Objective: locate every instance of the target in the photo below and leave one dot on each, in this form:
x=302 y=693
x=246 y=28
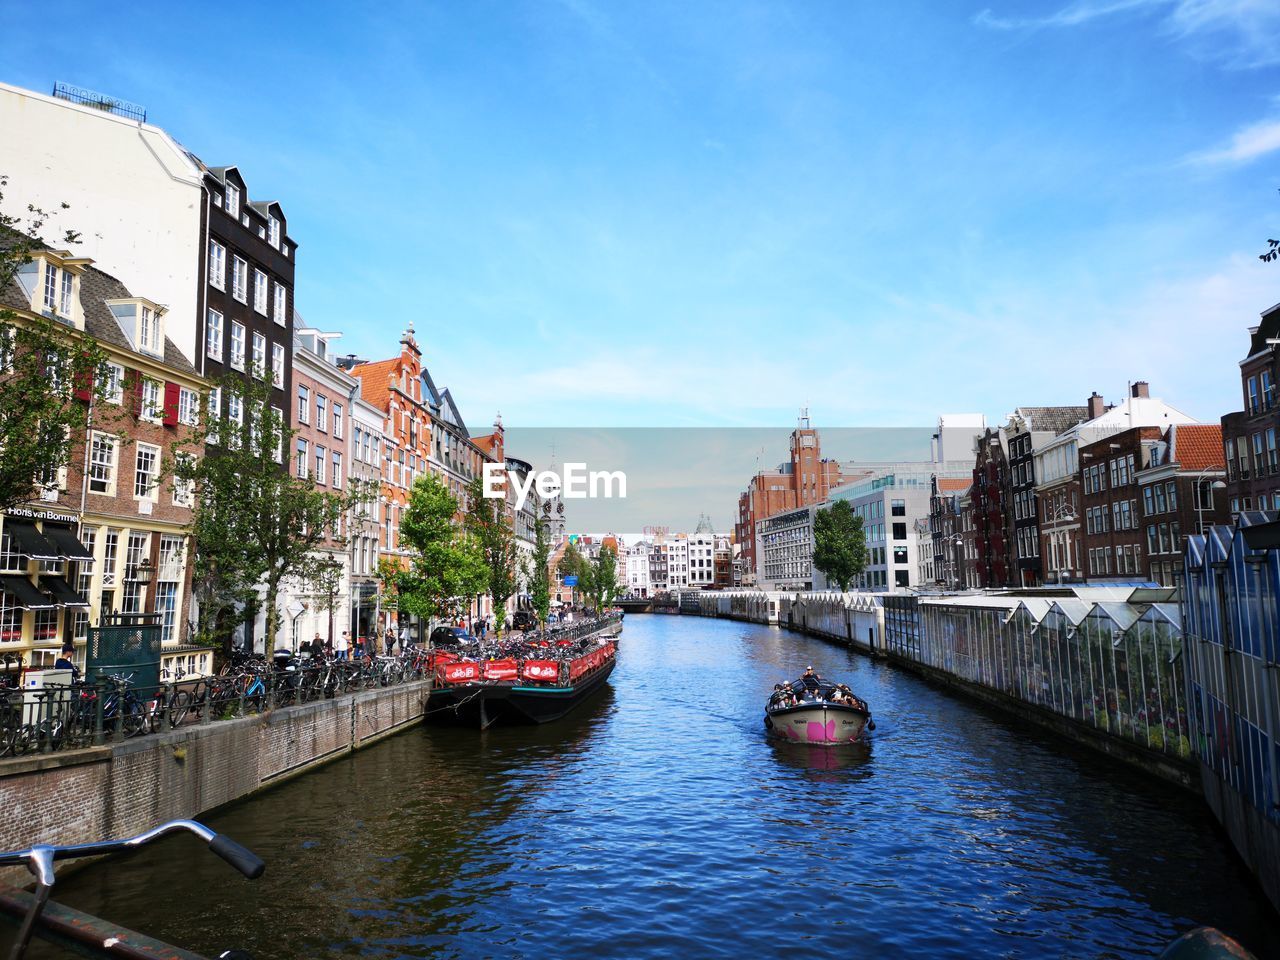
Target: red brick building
x=992 y=512
x=806 y=478
x=107 y=533
x=1249 y=435
x=1111 y=497
x=1178 y=496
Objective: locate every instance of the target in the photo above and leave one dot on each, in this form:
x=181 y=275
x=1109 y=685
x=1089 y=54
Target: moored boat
x=535 y=682
x=814 y=710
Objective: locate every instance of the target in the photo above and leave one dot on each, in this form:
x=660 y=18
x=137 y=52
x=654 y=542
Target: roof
x=96 y=287
x=1054 y=419
x=375 y=381
x=954 y=484
x=1197 y=446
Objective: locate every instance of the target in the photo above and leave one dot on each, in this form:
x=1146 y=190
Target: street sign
x=571 y=581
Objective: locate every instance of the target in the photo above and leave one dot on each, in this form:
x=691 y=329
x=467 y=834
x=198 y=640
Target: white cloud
x=1248 y=143
x=1237 y=33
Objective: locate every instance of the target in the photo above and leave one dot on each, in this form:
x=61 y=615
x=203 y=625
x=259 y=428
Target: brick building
x=1027 y=430
x=992 y=514
x=945 y=494
x=1249 y=435
x=1176 y=490
x=394 y=386
x=806 y=478
x=107 y=533
x=1111 y=499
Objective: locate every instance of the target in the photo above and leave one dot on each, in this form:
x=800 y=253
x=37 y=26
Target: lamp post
x=1200 y=487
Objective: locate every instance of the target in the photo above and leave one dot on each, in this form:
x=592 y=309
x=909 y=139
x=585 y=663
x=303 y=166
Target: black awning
x=30 y=542
x=66 y=543
x=29 y=598
x=61 y=591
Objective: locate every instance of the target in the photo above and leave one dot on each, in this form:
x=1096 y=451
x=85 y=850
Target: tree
x=601 y=583
x=839 y=544
x=572 y=564
x=446 y=566
x=254 y=524
x=489 y=526
x=540 y=574
x=50 y=374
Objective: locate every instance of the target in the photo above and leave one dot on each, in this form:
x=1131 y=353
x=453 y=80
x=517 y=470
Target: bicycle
x=40 y=859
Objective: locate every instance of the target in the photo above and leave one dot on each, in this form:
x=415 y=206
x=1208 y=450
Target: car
x=450 y=637
x=524 y=620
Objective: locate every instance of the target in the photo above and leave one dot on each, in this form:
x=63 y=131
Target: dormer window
x=140 y=321
x=273 y=232
x=49 y=283
x=233 y=200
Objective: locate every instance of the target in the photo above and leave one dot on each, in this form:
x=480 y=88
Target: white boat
x=813 y=710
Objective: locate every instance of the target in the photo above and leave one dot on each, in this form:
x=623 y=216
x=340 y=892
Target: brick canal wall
x=124 y=788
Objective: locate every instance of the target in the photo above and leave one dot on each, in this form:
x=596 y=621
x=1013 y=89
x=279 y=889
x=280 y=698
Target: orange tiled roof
x=954 y=484
x=375 y=381
x=485 y=443
x=1198 y=446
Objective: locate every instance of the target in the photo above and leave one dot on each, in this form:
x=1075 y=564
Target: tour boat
x=541 y=686
x=813 y=710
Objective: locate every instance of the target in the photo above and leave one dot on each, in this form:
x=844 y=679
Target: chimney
x=1097 y=406
x=1141 y=389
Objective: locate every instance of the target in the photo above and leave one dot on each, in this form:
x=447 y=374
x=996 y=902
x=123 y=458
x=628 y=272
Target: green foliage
x=601 y=585
x=839 y=544
x=254 y=524
x=49 y=375
x=540 y=574
x=489 y=526
x=446 y=566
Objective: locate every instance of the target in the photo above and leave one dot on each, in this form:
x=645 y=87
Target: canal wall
x=122 y=789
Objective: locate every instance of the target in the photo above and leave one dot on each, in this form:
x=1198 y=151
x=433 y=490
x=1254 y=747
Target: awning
x=28 y=597
x=61 y=591
x=67 y=543
x=30 y=542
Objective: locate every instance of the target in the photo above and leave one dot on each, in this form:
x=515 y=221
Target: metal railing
x=112 y=709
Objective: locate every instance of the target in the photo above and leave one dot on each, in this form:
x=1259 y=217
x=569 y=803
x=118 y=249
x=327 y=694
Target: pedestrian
x=389 y=641
x=406 y=638
x=359 y=647
x=66 y=661
x=343 y=645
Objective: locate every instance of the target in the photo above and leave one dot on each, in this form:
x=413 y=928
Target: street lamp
x=1199 y=489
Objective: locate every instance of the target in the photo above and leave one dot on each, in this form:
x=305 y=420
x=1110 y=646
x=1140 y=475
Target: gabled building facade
x=1249 y=435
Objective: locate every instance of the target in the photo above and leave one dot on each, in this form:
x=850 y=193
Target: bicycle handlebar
x=39 y=859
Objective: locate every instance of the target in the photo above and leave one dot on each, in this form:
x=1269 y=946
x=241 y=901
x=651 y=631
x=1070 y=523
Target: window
x=259 y=356
x=147 y=472
x=102 y=464
x=112 y=384
x=1253 y=394
x=302 y=459
x=277 y=365
x=188 y=407
x=320 y=464
x=277 y=427
x=280 y=316
x=273 y=232
x=217 y=265
x=322 y=412
x=337 y=421
x=237 y=345
x=1171 y=489
x=1258 y=460
x=1268 y=390
x=899 y=531
x=215 y=403
x=1272 y=463
x=64 y=306
x=235 y=414
x=260 y=286
x=899 y=508
x=183 y=490
x=50 y=287
x=213 y=335
x=304 y=405
x=240 y=280
x=232 y=205
x=152 y=401
x=337 y=469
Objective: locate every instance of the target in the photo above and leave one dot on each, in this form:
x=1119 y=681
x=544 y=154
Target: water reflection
x=660 y=819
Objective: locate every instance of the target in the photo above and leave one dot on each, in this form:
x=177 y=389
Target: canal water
x=658 y=821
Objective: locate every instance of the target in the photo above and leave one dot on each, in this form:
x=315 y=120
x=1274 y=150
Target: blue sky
x=710 y=214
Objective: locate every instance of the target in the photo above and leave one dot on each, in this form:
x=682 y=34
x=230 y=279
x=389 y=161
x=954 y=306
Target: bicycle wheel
x=179 y=707
x=135 y=720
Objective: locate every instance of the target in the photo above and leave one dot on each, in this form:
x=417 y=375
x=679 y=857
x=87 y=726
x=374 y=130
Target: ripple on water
x=659 y=820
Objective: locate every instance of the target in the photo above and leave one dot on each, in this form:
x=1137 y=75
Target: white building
x=636 y=576
x=784 y=550
x=363 y=530
x=134 y=194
